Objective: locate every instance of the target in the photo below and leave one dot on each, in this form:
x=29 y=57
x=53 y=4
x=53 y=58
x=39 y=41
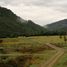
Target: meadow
x=62 y=62
x=28 y=51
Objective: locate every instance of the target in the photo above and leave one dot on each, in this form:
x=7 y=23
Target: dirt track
x=54 y=58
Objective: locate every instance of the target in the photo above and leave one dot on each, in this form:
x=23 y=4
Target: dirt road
x=54 y=58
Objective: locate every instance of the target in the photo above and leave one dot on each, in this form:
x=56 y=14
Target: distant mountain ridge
x=12 y=25
x=59 y=26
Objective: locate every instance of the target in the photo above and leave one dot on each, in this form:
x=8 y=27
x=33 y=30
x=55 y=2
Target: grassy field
x=62 y=62
x=31 y=49
x=44 y=56
x=38 y=39
x=35 y=41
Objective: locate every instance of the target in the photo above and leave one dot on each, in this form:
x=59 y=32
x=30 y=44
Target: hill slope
x=58 y=27
x=11 y=25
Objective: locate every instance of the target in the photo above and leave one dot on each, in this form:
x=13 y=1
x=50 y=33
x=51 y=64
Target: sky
x=42 y=12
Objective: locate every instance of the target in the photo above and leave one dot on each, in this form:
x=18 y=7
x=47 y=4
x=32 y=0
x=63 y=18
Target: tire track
x=54 y=58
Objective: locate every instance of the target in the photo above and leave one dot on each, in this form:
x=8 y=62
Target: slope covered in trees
x=11 y=25
x=59 y=27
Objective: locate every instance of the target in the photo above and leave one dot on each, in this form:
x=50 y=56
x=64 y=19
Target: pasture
x=30 y=50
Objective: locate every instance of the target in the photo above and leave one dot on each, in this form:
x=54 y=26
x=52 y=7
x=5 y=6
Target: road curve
x=54 y=58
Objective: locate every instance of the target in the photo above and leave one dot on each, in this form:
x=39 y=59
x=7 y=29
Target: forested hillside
x=12 y=26
x=59 y=27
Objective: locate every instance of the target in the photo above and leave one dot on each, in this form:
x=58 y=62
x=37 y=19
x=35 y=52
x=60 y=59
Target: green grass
x=34 y=43
x=48 y=39
x=62 y=61
x=45 y=55
x=39 y=39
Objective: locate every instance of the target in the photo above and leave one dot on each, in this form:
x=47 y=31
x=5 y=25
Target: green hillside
x=59 y=27
x=12 y=26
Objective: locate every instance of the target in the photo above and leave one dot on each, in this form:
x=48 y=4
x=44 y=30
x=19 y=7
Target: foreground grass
x=12 y=45
x=62 y=62
x=12 y=48
x=45 y=55
x=35 y=60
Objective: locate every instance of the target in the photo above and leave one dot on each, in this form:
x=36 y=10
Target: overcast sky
x=40 y=11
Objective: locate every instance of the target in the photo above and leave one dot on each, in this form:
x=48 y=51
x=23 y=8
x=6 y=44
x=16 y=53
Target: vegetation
x=13 y=26
x=62 y=62
x=23 y=43
x=24 y=50
x=57 y=28
x=29 y=51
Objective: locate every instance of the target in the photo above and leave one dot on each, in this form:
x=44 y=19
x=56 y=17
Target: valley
x=31 y=51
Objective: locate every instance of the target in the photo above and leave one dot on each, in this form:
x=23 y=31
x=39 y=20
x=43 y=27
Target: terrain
x=31 y=51
x=26 y=44
x=57 y=28
x=12 y=25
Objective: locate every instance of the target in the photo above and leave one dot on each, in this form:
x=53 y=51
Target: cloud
x=40 y=11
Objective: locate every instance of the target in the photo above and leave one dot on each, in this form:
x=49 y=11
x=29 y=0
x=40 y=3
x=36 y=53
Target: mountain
x=58 y=27
x=12 y=25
